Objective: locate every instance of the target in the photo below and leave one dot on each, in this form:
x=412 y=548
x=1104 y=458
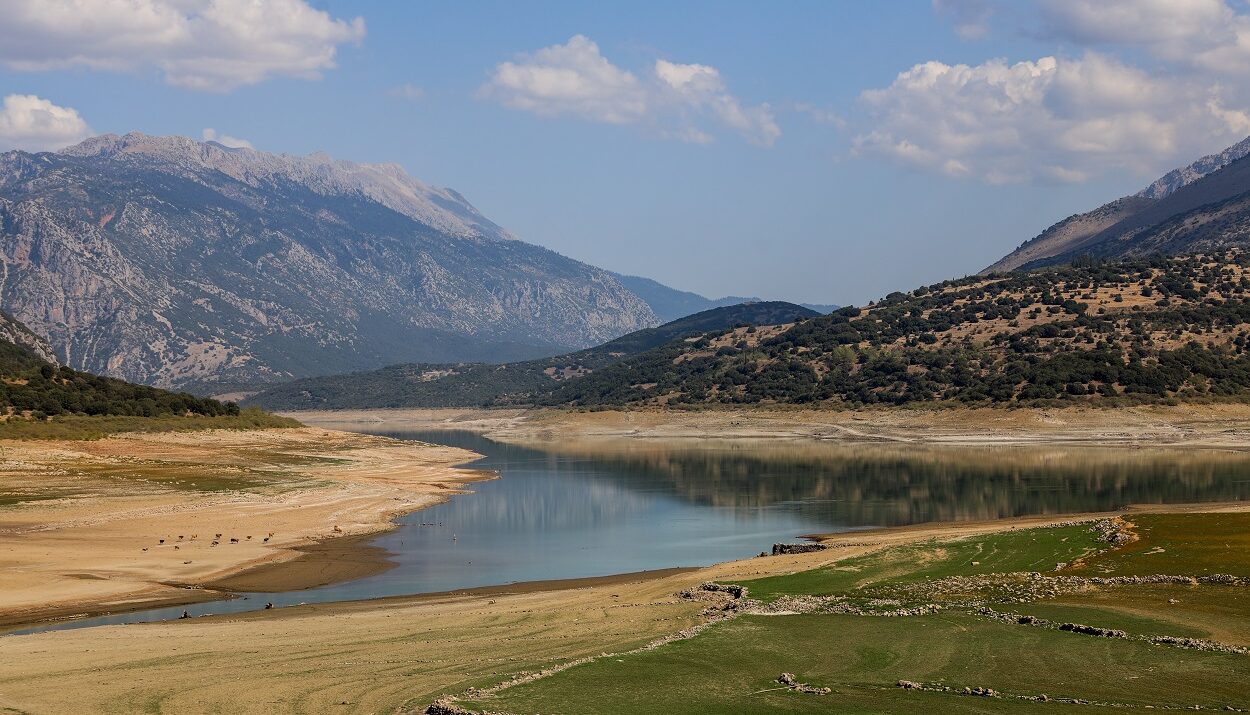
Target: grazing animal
x=194 y=537
x=180 y=537
x=145 y=548
x=249 y=537
x=177 y=547
x=268 y=606
x=271 y=533
x=162 y=541
x=218 y=536
x=234 y=541
x=214 y=543
x=185 y=614
x=266 y=539
x=337 y=530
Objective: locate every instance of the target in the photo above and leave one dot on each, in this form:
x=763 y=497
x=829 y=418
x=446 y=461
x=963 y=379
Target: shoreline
x=326 y=494
x=319 y=559
x=1225 y=426
x=394 y=654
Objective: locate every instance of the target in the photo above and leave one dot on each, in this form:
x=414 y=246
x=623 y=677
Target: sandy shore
x=1226 y=426
x=388 y=655
x=131 y=521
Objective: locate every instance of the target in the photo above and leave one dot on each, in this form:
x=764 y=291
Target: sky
x=820 y=151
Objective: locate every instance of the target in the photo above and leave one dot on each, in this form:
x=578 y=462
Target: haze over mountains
x=670 y=304
x=475 y=385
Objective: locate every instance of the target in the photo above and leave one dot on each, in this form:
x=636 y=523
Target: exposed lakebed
x=594 y=508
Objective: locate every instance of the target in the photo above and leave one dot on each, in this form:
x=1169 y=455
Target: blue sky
x=786 y=150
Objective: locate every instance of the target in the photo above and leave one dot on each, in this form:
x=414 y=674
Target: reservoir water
x=597 y=508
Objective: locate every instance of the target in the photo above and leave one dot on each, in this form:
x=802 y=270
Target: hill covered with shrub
x=40 y=398
x=1157 y=329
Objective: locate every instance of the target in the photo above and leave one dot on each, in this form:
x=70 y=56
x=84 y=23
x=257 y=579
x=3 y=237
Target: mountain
x=168 y=261
x=1105 y=230
x=472 y=385
x=670 y=304
x=1143 y=330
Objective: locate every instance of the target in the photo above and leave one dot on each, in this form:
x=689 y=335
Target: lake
x=596 y=508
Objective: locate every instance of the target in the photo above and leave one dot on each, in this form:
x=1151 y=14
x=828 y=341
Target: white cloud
x=211 y=45
x=410 y=92
x=211 y=135
x=575 y=79
x=1050 y=119
x=821 y=115
x=35 y=124
x=971 y=18
x=1138 y=22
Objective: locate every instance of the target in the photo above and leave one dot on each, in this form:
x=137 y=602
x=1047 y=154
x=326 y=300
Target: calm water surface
x=594 y=509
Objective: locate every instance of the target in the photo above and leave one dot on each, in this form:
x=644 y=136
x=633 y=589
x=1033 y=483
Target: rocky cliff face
x=169 y=261
x=11 y=331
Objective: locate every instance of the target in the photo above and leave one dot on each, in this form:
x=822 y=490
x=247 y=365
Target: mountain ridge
x=1074 y=234
x=169 y=261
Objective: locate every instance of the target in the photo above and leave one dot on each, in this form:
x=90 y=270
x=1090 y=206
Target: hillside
x=471 y=385
x=1106 y=230
x=168 y=261
x=34 y=389
x=1145 y=330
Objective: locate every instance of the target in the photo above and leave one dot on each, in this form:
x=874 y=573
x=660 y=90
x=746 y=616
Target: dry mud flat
x=112 y=524
x=1226 y=425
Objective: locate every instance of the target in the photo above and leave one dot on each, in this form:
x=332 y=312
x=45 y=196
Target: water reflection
x=890 y=485
x=592 y=508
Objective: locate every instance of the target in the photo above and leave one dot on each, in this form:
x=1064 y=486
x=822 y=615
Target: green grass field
x=732 y=667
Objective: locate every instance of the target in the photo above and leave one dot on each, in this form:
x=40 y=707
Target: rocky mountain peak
x=1167 y=184
x=388 y=184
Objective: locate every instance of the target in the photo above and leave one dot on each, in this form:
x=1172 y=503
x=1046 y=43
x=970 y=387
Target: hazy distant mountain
x=473 y=385
x=168 y=261
x=670 y=304
x=1116 y=228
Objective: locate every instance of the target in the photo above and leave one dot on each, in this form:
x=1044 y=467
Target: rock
x=783 y=549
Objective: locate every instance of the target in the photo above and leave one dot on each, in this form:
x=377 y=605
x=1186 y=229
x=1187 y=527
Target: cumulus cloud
x=36 y=124
x=575 y=79
x=211 y=135
x=211 y=45
x=1051 y=119
x=1201 y=36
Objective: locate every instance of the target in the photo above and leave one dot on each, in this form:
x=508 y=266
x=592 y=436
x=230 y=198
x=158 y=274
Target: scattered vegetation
x=1151 y=330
